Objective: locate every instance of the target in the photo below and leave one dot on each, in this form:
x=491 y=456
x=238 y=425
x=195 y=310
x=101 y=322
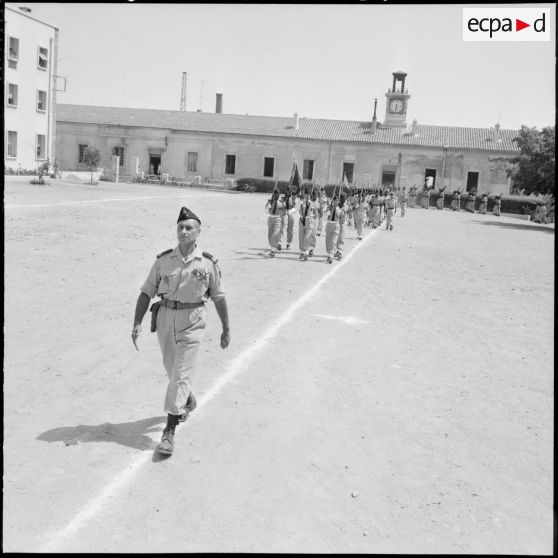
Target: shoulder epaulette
x=165 y=252
x=210 y=257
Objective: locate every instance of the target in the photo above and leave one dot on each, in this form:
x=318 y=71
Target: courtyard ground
x=400 y=401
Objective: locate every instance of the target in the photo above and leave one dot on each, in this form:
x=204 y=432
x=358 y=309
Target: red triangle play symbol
x=519 y=25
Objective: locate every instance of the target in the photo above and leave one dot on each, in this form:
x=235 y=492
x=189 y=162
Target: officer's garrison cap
x=185 y=213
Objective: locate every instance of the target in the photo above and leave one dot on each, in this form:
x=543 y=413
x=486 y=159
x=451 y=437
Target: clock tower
x=396 y=103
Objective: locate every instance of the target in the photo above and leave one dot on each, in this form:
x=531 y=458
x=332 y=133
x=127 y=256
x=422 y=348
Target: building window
x=41 y=100
x=41 y=147
x=230 y=164
x=12 y=145
x=308 y=170
x=192 y=161
x=118 y=151
x=269 y=165
x=13 y=49
x=81 y=152
x=42 y=62
x=12 y=95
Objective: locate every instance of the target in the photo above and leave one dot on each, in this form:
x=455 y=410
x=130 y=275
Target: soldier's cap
x=185 y=213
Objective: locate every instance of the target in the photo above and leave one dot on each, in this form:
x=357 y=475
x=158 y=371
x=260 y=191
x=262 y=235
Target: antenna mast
x=201 y=96
x=183 y=91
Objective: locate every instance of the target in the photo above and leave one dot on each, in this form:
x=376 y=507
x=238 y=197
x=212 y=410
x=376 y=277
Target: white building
x=31 y=47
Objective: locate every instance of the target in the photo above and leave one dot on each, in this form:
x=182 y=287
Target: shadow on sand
x=130 y=434
x=526 y=226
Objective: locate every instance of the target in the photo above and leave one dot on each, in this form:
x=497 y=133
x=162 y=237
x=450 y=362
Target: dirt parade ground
x=398 y=401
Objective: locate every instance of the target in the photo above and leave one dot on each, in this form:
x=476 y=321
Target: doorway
x=472 y=181
x=430 y=177
x=154 y=164
x=388 y=179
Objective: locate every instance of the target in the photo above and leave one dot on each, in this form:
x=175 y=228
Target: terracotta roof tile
x=309 y=128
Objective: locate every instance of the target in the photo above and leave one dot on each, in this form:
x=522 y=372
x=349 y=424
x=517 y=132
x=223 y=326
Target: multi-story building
x=217 y=146
x=31 y=47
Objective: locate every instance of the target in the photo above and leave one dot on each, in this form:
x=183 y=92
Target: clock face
x=396 y=105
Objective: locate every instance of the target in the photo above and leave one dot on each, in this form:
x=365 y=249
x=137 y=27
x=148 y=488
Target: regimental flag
x=295 y=183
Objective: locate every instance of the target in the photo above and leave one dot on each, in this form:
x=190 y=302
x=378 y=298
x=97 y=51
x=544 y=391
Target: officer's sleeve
x=216 y=290
x=152 y=282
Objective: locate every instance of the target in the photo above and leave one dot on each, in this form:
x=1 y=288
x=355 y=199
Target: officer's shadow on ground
x=130 y=434
x=518 y=226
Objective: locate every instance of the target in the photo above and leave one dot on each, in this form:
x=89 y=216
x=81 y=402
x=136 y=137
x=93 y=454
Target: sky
x=318 y=60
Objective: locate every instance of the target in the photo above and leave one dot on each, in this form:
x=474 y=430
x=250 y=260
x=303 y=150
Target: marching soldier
x=342 y=213
x=274 y=207
x=317 y=210
x=307 y=211
x=391 y=206
x=361 y=212
x=287 y=219
x=376 y=209
x=323 y=200
x=185 y=278
x=332 y=228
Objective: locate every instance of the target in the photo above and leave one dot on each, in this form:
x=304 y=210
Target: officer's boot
x=166 y=446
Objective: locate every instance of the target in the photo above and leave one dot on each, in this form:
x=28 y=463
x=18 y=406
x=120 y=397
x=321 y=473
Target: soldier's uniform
x=391 y=206
x=360 y=215
x=470 y=205
x=497 y=206
x=287 y=222
x=184 y=285
x=323 y=201
x=307 y=213
x=376 y=211
x=425 y=198
x=274 y=207
x=336 y=219
x=440 y=200
x=483 y=204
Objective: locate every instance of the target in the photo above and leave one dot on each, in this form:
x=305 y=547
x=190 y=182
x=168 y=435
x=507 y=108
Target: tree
x=533 y=168
x=91 y=157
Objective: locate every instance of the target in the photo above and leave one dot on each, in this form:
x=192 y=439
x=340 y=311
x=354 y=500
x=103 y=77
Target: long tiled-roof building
x=216 y=146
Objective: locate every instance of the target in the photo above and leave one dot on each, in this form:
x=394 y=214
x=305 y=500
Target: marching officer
x=185 y=278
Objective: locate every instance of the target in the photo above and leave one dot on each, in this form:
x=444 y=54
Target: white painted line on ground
x=92 y=201
x=238 y=365
x=350 y=320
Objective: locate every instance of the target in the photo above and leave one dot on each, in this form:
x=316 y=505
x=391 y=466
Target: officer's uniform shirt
x=192 y=279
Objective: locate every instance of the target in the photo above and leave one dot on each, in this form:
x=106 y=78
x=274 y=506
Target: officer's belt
x=177 y=305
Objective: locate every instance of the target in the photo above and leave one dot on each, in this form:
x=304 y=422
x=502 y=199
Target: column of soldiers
x=360 y=208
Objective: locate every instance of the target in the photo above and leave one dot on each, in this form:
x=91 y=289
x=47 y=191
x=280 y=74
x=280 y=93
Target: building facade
x=217 y=146
x=31 y=47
